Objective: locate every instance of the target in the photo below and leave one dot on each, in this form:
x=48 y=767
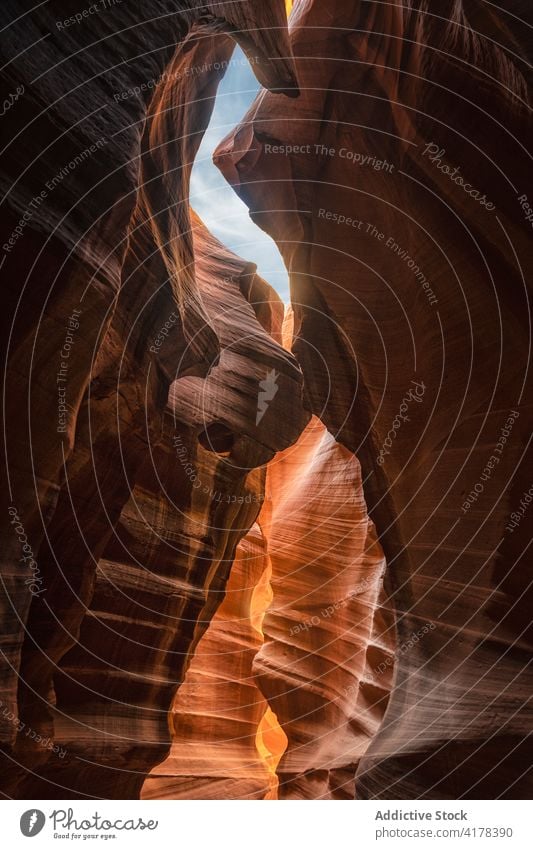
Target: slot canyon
x=253 y=548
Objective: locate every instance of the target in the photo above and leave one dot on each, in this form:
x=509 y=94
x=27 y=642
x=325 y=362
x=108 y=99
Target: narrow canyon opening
x=211 y=196
x=289 y=645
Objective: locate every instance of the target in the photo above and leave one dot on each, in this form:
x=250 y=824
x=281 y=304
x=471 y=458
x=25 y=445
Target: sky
x=213 y=198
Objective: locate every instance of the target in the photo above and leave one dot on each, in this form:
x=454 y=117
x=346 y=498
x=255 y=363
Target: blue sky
x=213 y=198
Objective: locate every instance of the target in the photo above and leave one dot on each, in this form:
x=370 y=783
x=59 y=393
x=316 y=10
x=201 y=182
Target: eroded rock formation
x=323 y=642
x=300 y=625
x=218 y=712
x=193 y=493
x=110 y=314
x=395 y=188
x=168 y=498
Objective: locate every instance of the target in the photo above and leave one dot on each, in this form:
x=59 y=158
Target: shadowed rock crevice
x=395 y=189
x=122 y=300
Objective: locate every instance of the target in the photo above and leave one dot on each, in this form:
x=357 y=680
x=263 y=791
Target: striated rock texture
x=171 y=514
x=218 y=713
x=193 y=493
x=165 y=562
x=122 y=558
x=322 y=654
x=324 y=640
x=396 y=189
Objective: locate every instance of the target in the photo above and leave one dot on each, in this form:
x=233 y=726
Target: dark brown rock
x=98 y=259
x=412 y=316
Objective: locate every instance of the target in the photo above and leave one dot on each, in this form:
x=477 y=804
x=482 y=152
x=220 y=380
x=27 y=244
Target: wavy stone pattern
x=106 y=263
x=218 y=710
x=323 y=642
x=411 y=311
x=182 y=519
x=322 y=655
x=165 y=558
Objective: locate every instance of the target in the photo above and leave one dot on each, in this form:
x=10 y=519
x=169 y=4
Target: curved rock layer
x=194 y=492
x=171 y=513
x=219 y=714
x=327 y=660
x=300 y=623
x=125 y=556
x=396 y=189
